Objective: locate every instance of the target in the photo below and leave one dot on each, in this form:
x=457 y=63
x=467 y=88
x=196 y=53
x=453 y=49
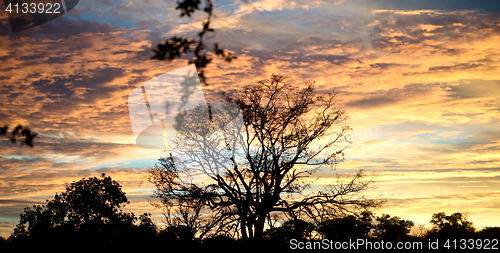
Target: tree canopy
x=388 y=227
x=456 y=223
x=259 y=168
x=88 y=208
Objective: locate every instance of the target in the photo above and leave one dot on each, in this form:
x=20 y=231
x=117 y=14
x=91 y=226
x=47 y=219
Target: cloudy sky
x=419 y=80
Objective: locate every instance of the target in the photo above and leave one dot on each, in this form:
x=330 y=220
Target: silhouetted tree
x=88 y=210
x=293 y=228
x=145 y=232
x=392 y=228
x=287 y=134
x=146 y=222
x=349 y=226
x=450 y=225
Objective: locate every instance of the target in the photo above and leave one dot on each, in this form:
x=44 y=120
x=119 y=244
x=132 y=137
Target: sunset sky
x=420 y=81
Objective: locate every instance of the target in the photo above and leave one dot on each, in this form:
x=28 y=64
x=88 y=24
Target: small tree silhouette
x=392 y=228
x=347 y=227
x=450 y=225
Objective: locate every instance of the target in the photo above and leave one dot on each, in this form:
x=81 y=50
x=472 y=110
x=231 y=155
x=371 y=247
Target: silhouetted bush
x=349 y=226
x=490 y=232
x=392 y=228
x=451 y=226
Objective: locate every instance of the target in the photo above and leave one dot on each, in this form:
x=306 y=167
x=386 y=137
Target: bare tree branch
x=288 y=134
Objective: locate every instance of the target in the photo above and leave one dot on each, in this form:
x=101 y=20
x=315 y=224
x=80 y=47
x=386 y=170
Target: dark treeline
x=88 y=216
x=144 y=234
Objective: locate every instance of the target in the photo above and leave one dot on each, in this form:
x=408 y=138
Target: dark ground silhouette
x=88 y=216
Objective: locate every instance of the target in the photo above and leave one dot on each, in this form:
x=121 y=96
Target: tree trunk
x=259 y=227
x=244 y=233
